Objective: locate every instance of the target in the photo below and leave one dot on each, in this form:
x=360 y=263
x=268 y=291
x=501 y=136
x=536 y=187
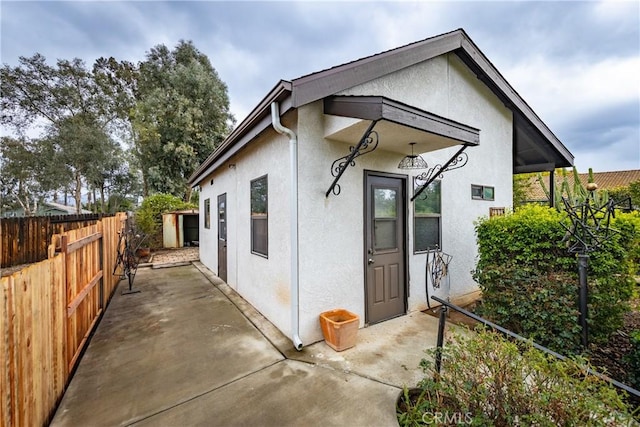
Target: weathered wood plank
x=25 y=239
x=82 y=242
x=6 y=347
x=47 y=312
x=74 y=360
x=73 y=305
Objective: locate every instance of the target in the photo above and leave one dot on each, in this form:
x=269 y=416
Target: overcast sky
x=576 y=63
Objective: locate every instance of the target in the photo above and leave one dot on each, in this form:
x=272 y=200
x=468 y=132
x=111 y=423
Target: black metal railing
x=447 y=305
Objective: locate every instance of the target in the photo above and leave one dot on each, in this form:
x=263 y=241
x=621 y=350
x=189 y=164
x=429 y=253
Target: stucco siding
x=331 y=229
x=263 y=282
x=444 y=86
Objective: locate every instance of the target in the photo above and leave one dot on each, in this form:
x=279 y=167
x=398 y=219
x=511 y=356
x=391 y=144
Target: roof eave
x=325 y=83
x=471 y=55
x=319 y=85
x=280 y=92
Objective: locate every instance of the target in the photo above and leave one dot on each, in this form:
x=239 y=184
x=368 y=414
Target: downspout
x=293 y=197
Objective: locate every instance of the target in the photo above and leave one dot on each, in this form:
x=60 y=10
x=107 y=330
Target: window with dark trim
x=207 y=213
x=427 y=213
x=259 y=216
x=482 y=192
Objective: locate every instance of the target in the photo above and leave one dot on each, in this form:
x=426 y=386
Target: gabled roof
x=71 y=210
x=536 y=148
x=605 y=181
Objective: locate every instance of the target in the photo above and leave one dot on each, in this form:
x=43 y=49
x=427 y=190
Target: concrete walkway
x=187 y=350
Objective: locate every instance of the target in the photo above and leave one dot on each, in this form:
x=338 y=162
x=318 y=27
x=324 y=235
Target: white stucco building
x=297 y=227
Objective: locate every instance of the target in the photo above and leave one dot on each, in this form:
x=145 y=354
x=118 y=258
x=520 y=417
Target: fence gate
x=83 y=275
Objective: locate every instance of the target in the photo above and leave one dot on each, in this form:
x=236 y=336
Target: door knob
x=370 y=261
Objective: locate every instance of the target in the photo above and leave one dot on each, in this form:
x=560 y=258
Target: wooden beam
x=74 y=246
x=540 y=167
x=78 y=352
x=73 y=305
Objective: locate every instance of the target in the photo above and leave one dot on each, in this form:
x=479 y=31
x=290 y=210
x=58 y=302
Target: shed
x=321 y=199
x=180 y=228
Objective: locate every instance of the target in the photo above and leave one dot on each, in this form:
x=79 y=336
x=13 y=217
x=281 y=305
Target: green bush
x=530 y=237
x=529 y=279
x=540 y=306
x=487 y=380
x=633 y=359
x=149 y=216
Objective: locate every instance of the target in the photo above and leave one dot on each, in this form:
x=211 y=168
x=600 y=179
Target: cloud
x=606 y=139
x=571 y=61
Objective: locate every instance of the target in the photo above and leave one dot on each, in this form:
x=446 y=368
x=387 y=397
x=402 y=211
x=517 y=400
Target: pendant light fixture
x=412 y=161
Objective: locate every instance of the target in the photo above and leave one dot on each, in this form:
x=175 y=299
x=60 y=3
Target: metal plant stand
x=127 y=258
x=589 y=230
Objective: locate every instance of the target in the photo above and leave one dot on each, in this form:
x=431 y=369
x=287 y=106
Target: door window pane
x=385 y=218
x=207 y=213
x=384 y=202
x=222 y=218
x=384 y=233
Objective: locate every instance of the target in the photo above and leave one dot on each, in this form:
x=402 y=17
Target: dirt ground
x=611 y=355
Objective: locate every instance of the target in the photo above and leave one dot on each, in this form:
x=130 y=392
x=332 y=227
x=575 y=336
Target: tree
x=28 y=173
x=181 y=115
x=35 y=92
x=77 y=108
x=85 y=150
x=521 y=186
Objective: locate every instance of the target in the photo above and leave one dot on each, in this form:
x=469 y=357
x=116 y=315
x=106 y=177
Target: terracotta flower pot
x=340 y=328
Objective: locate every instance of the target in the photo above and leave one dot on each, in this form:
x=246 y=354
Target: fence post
x=100 y=256
x=441 y=324
x=583 y=260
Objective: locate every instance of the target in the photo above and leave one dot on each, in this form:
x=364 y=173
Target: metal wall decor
x=367 y=144
x=437 y=269
x=458 y=160
x=412 y=161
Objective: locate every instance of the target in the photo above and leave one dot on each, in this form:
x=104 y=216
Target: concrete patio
x=188 y=350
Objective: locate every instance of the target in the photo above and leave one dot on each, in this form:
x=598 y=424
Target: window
x=385 y=207
x=482 y=192
x=426 y=218
x=222 y=217
x=259 y=215
x=207 y=213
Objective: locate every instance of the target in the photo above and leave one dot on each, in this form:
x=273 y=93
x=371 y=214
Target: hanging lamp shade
x=412 y=161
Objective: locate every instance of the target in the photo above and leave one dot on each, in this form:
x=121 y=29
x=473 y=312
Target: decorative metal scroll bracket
x=366 y=145
x=458 y=160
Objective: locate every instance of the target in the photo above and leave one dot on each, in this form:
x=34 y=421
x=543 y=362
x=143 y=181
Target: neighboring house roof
x=64 y=209
x=536 y=148
x=605 y=181
x=47 y=208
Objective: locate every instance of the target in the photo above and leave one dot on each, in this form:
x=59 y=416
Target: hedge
x=529 y=279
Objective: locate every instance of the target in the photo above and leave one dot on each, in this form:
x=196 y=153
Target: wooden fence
x=25 y=240
x=47 y=312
